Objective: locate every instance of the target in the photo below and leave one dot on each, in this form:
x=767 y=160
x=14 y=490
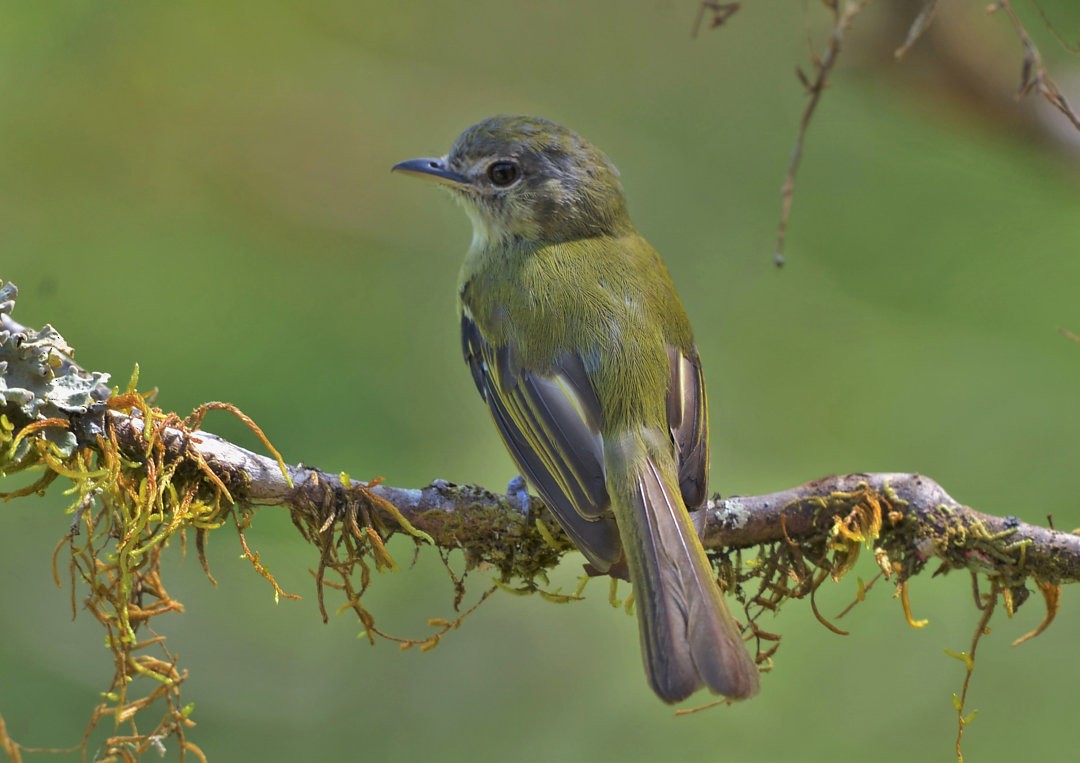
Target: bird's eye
x=502 y=173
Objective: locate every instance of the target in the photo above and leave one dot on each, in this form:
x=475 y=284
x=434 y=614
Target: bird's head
x=528 y=180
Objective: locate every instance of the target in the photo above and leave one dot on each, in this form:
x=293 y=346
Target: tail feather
x=689 y=638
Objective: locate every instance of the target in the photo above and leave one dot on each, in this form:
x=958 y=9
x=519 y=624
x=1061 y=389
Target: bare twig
x=841 y=21
x=918 y=26
x=721 y=12
x=1070 y=47
x=1033 y=74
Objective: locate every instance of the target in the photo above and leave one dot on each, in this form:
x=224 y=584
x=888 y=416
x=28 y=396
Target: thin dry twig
x=1033 y=74
x=918 y=26
x=1070 y=47
x=841 y=21
x=721 y=12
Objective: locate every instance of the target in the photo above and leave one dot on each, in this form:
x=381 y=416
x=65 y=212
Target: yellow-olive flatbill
x=584 y=355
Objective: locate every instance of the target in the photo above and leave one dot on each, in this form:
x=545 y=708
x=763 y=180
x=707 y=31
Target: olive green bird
x=584 y=355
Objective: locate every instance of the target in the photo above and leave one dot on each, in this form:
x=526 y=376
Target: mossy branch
x=141 y=476
x=920 y=521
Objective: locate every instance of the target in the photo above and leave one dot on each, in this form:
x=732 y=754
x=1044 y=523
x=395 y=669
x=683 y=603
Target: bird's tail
x=688 y=637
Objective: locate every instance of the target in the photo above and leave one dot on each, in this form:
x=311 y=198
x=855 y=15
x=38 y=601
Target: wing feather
x=688 y=419
x=550 y=423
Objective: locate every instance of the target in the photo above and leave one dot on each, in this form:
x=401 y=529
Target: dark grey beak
x=431 y=169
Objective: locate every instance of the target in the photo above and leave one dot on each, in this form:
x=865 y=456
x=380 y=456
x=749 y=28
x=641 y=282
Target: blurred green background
x=204 y=189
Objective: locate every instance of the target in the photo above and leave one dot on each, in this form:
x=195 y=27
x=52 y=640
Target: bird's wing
x=688 y=419
x=550 y=423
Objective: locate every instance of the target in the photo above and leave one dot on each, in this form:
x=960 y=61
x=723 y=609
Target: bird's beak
x=431 y=169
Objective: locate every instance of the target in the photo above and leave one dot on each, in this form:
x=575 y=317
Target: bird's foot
x=518 y=493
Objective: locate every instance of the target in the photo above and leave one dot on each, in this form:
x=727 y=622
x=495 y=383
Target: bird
x=580 y=346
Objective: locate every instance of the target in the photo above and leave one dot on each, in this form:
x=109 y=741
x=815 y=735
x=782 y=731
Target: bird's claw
x=518 y=492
